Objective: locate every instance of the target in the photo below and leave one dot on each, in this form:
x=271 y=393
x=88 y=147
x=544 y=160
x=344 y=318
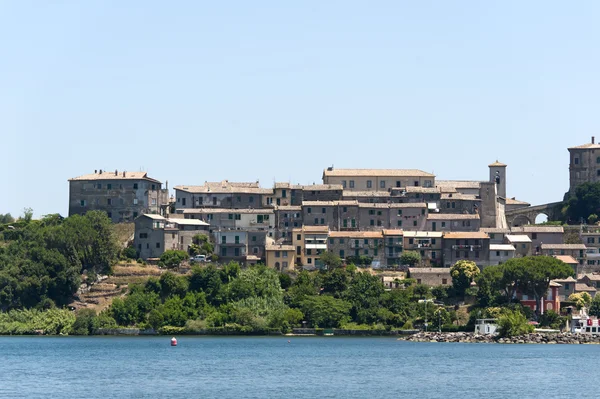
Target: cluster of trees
x=41 y=261
x=6 y=218
x=259 y=299
x=582 y=204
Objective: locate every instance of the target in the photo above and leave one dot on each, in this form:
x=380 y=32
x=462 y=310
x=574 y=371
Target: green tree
x=581 y=299
x=335 y=282
x=325 y=311
x=583 y=202
x=172 y=258
x=592 y=219
x=6 y=218
x=513 y=323
x=594 y=309
x=411 y=258
x=463 y=273
x=331 y=260
x=538 y=271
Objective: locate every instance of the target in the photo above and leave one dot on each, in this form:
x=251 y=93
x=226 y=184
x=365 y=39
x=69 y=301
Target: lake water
x=327 y=367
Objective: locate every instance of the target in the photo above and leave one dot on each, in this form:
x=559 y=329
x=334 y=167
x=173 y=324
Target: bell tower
x=498 y=176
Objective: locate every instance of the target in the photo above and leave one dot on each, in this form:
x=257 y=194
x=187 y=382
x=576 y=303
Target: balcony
x=467 y=247
x=355 y=245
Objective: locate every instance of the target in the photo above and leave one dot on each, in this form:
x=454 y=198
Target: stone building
x=577 y=251
x=354 y=244
x=427 y=243
x=310 y=242
x=122 y=195
x=541 y=235
x=287 y=218
x=473 y=246
x=233 y=219
x=155 y=234
x=280 y=257
x=377 y=179
x=452 y=222
x=431 y=276
x=584 y=164
x=224 y=194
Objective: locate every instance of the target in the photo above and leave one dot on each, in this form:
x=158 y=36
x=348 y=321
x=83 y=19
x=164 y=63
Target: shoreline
x=533 y=338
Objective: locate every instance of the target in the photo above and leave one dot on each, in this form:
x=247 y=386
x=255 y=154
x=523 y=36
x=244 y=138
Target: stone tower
x=498 y=176
x=584 y=164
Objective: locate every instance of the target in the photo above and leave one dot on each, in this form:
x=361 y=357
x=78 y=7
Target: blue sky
x=193 y=91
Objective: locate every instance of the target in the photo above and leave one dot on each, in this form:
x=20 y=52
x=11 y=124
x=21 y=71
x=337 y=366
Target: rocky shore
x=534 y=338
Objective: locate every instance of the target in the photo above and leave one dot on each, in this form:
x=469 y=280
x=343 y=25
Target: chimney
x=116 y=172
x=123 y=173
x=100 y=171
x=593 y=139
x=95 y=171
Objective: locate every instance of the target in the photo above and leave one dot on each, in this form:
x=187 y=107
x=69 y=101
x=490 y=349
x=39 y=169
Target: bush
x=408 y=325
x=173 y=258
x=129 y=253
x=512 y=323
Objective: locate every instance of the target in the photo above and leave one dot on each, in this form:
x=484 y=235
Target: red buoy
x=173 y=342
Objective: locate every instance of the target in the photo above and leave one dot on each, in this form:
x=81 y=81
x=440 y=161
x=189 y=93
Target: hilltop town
x=368 y=217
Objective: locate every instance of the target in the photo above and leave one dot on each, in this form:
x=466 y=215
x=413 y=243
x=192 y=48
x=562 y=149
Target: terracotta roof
x=377 y=172
x=591 y=276
x=423 y=234
x=517 y=238
x=330 y=203
x=418 y=189
x=538 y=229
x=563 y=246
x=459 y=196
x=394 y=205
x=497 y=164
x=108 y=175
x=287 y=208
x=458 y=184
x=322 y=187
x=465 y=234
x=452 y=216
x=393 y=232
x=585 y=146
x=279 y=247
x=584 y=287
x=567 y=259
x=497 y=230
x=569 y=279
x=356 y=234
x=226 y=187
x=348 y=193
x=512 y=201
x=429 y=270
x=203 y=211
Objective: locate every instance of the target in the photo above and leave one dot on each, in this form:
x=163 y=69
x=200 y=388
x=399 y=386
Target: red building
x=550 y=302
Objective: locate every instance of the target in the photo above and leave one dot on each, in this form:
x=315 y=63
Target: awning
x=431 y=206
x=316 y=246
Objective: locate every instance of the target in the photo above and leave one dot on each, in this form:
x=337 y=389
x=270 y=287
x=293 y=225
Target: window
x=316 y=220
x=416 y=183
x=284 y=254
x=239 y=217
x=379 y=223
x=109 y=214
x=399 y=212
x=422 y=211
x=399 y=223
x=223 y=239
x=298 y=250
x=135 y=201
x=236 y=251
x=576 y=161
x=230 y=216
x=82 y=203
x=158 y=245
x=444 y=281
x=598 y=172
x=254 y=238
x=251 y=199
x=153 y=201
x=309 y=251
x=382 y=184
x=590 y=240
x=398 y=183
x=371 y=211
x=283 y=193
x=284 y=264
x=135 y=186
x=343 y=183
x=99 y=186
x=353 y=222
x=237 y=239
x=298 y=237
x=443 y=224
x=458 y=254
x=378 y=213
x=447 y=205
x=309 y=261
x=143 y=235
x=277 y=254
x=351 y=183
x=598 y=160
x=135 y=214
x=369 y=184
x=534 y=236
x=323 y=210
x=322 y=221
x=109 y=186
x=492 y=236
x=415 y=223
x=109 y=201
x=308 y=210
x=498 y=253
x=477 y=254
x=372 y=222
x=433 y=255
x=345 y=223
x=341 y=253
x=453 y=205
x=366 y=251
